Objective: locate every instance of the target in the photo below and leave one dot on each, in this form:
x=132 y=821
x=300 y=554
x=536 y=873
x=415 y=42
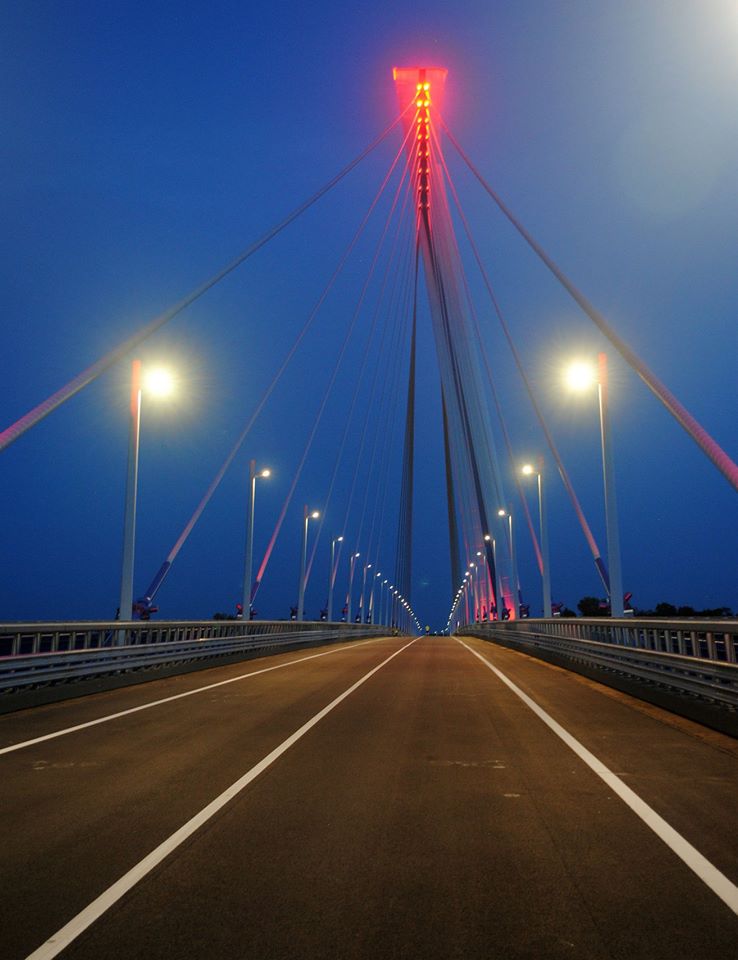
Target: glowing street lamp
x=332 y=578
x=159 y=383
x=581 y=377
x=249 y=552
x=475 y=585
x=513 y=563
x=528 y=471
x=352 y=563
x=367 y=566
x=307 y=517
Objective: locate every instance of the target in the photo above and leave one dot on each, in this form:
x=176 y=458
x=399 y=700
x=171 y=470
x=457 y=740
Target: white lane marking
x=706 y=871
x=176 y=696
x=62 y=938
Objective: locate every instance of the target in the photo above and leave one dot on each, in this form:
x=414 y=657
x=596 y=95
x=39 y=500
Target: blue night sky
x=146 y=144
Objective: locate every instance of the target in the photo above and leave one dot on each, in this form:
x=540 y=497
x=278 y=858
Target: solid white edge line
x=176 y=696
x=720 y=885
x=70 y=931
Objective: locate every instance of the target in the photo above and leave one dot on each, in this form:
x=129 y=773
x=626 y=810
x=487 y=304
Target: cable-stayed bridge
x=476 y=755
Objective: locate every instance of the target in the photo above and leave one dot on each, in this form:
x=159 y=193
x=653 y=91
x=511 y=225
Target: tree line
x=595 y=607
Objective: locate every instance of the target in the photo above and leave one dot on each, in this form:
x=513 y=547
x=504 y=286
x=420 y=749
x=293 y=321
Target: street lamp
x=513 y=563
x=367 y=566
x=580 y=377
x=158 y=383
x=371 y=596
x=249 y=553
x=529 y=470
x=307 y=517
x=495 y=582
x=332 y=578
x=352 y=563
x=475 y=584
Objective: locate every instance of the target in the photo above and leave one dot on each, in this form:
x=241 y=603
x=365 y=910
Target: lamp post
x=513 y=564
x=367 y=566
x=307 y=517
x=352 y=562
x=580 y=376
x=528 y=471
x=159 y=383
x=382 y=598
x=249 y=553
x=371 y=595
x=494 y=581
x=332 y=578
x=477 y=573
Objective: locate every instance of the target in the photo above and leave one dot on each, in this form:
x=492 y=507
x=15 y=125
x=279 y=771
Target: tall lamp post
x=513 y=563
x=367 y=566
x=159 y=383
x=580 y=376
x=352 y=564
x=332 y=578
x=249 y=553
x=528 y=471
x=495 y=581
x=371 y=595
x=475 y=591
x=307 y=517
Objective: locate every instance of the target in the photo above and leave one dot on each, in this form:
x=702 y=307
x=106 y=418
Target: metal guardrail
x=695 y=657
x=40 y=653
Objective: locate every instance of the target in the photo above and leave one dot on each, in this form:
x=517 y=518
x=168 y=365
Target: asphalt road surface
x=379 y=799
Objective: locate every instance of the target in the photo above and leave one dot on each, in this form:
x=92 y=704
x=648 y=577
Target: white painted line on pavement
x=706 y=871
x=176 y=696
x=62 y=938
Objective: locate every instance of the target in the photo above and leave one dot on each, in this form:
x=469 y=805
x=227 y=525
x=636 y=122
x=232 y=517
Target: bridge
x=367 y=748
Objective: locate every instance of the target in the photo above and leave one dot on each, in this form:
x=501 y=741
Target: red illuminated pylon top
x=421 y=87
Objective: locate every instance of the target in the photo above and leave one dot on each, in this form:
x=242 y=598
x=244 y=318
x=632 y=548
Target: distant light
x=580 y=376
x=487 y=537
x=265 y=473
x=339 y=539
x=159 y=382
x=314 y=515
x=527 y=470
x=501 y=512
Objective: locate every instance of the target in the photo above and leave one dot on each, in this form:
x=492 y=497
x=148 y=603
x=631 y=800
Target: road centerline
x=720 y=885
x=78 y=924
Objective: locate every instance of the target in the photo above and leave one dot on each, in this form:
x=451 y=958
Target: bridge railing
x=697 y=657
x=37 y=653
x=707 y=639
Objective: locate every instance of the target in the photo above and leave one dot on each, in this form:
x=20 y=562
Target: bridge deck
x=429 y=814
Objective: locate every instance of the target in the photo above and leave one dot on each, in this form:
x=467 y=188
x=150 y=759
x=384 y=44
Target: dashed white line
x=62 y=938
x=720 y=885
x=176 y=696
